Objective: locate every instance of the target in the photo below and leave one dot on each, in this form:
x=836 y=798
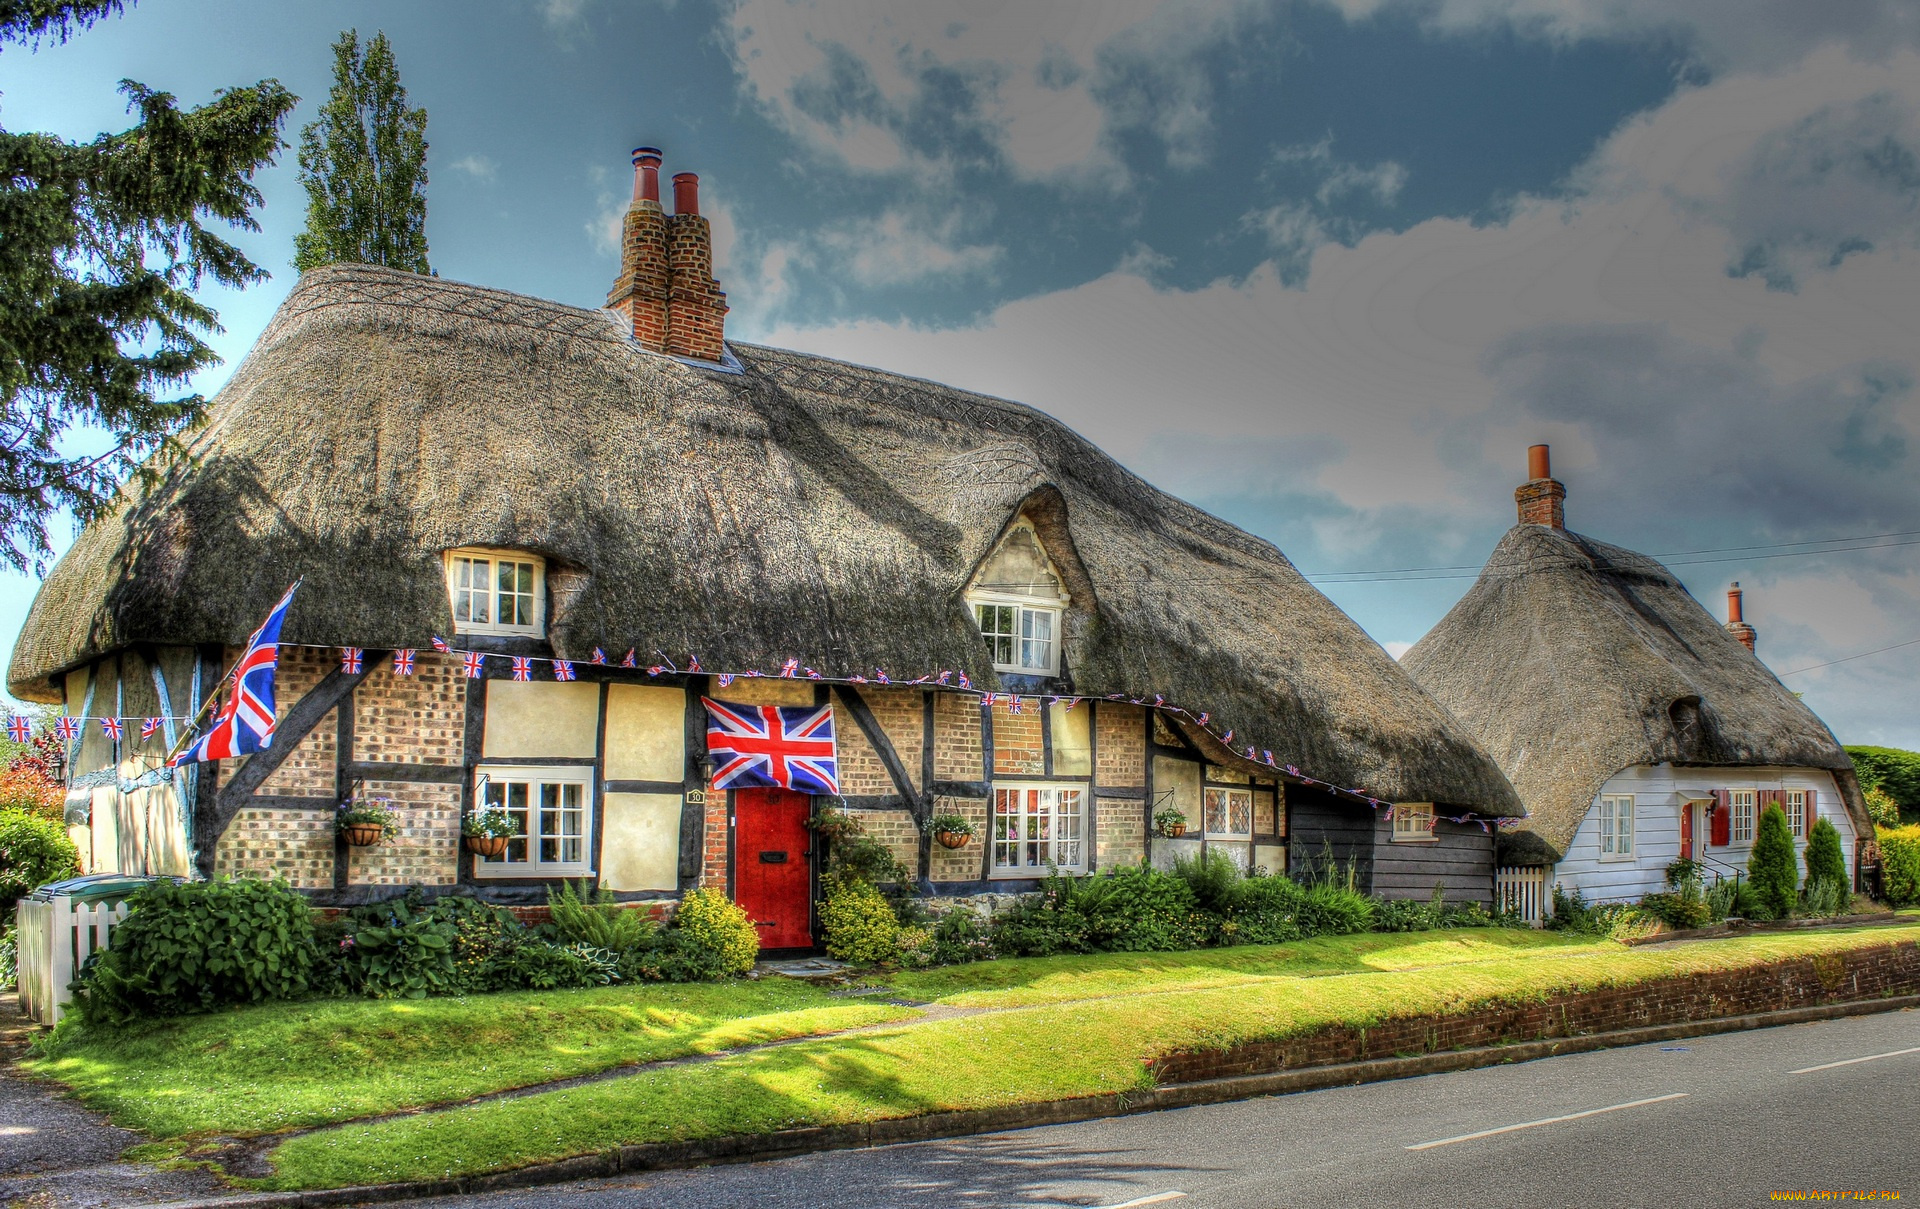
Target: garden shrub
x=1048 y=923
x=34 y=850
x=400 y=949
x=1332 y=907
x=959 y=936
x=196 y=946
x=1891 y=770
x=1142 y=910
x=1900 y=864
x=9 y=958
x=708 y=920
x=540 y=965
x=1747 y=903
x=1722 y=899
x=1267 y=909
x=1824 y=897
x=1772 y=870
x=859 y=923
x=1679 y=909
x=1212 y=877
x=1881 y=808
x=674 y=956
x=596 y=920
x=1825 y=861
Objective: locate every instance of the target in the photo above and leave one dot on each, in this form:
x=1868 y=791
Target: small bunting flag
x=655 y=670
x=1203 y=717
x=1227 y=738
x=351 y=658
x=67 y=728
x=964 y=682
x=630 y=660
x=598 y=656
x=988 y=699
x=880 y=676
x=110 y=727
x=440 y=644
x=19 y=728
x=563 y=669
x=789 y=669
x=1268 y=756
x=856 y=680
x=149 y=727
x=474 y=663
x=726 y=678
x=943 y=678
x=812 y=674
x=752 y=673
x=522 y=667
x=1013 y=704
x=693 y=664
x=403 y=662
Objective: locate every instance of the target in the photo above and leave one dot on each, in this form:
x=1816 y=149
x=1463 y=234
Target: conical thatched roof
x=803 y=508
x=1570 y=660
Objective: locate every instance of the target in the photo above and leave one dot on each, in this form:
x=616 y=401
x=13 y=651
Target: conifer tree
x=1825 y=860
x=101 y=245
x=1771 y=869
x=364 y=163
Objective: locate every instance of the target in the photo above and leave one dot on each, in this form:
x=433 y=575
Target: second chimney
x=1541 y=498
x=1737 y=618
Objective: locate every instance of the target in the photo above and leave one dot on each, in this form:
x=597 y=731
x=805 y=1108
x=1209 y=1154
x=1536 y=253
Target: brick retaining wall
x=1845 y=976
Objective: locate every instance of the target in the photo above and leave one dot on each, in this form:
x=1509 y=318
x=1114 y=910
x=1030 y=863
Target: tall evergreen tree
x=364 y=163
x=102 y=245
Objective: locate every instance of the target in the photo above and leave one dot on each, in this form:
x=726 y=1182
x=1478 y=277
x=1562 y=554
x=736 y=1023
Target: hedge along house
x=537 y=482
x=1637 y=728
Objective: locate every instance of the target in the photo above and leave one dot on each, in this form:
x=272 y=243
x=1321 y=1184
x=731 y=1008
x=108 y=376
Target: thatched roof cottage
x=1636 y=727
x=528 y=478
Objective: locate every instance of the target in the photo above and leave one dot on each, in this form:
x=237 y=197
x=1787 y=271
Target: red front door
x=772 y=864
x=1686 y=831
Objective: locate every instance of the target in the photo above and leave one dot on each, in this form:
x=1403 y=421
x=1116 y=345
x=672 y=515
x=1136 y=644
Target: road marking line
x=1572 y=1116
x=1807 y=1070
x=1156 y=1199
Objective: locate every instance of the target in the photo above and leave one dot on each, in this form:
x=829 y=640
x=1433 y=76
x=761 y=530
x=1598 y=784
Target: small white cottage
x=1636 y=727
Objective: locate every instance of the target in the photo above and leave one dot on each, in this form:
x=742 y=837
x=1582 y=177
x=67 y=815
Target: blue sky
x=1324 y=268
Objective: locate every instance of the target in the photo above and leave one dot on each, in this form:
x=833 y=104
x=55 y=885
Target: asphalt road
x=1713 y=1121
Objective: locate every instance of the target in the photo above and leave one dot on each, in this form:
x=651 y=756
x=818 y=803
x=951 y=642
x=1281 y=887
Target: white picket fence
x=54 y=939
x=1523 y=890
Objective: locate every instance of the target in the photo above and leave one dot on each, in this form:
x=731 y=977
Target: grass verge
x=283 y=1066
x=1026 y=1054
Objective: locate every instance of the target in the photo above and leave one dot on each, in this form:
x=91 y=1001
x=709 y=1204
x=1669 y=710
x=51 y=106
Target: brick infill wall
x=1846 y=976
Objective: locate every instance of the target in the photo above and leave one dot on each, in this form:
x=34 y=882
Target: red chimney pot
x=1539 y=465
x=646 y=174
x=686 y=193
x=1735 y=613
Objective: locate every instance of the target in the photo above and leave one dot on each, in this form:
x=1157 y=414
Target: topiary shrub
x=33 y=851
x=859 y=923
x=1771 y=869
x=1825 y=861
x=710 y=922
x=196 y=946
x=1900 y=864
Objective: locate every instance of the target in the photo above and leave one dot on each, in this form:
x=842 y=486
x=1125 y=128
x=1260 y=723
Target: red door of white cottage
x=773 y=865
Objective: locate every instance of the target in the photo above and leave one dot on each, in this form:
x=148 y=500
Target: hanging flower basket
x=951 y=830
x=493 y=847
x=951 y=839
x=1170 y=823
x=363 y=835
x=1174 y=831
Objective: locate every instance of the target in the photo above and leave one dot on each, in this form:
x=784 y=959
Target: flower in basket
x=951 y=824
x=490 y=822
x=367 y=812
x=1169 y=822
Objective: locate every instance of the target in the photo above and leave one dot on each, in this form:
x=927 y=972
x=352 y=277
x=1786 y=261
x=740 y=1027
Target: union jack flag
x=1227 y=738
x=244 y=722
x=19 y=728
x=1013 y=704
x=789 y=668
x=630 y=661
x=880 y=675
x=788 y=748
x=350 y=659
x=522 y=667
x=474 y=663
x=1204 y=715
x=943 y=678
x=693 y=663
x=1268 y=755
x=725 y=678
x=964 y=682
x=812 y=674
x=67 y=728
x=149 y=727
x=563 y=669
x=403 y=662
x=598 y=656
x=111 y=728
x=655 y=670
x=440 y=644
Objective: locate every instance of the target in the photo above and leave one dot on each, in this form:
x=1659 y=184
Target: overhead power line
x=1850 y=658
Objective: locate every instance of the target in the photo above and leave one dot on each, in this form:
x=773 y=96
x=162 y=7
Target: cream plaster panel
x=640 y=844
x=561 y=719
x=646 y=733
x=1270 y=857
x=1072 y=741
x=82 y=837
x=762 y=690
x=1182 y=777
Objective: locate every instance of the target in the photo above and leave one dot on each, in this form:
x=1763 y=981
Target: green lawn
x=283 y=1066
x=1064 y=1047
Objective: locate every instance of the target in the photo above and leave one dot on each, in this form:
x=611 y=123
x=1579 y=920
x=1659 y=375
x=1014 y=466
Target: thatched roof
x=1571 y=660
x=803 y=508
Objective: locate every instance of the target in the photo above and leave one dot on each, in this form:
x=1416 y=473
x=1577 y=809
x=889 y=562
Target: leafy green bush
x=1881 y=808
x=1722 y=899
x=1678 y=909
x=959 y=936
x=1900 y=864
x=1825 y=861
x=1614 y=921
x=1824 y=897
x=33 y=851
x=1267 y=909
x=540 y=965
x=674 y=956
x=196 y=946
x=484 y=938
x=1890 y=769
x=707 y=919
x=1212 y=877
x=1332 y=906
x=596 y=920
x=400 y=949
x=859 y=923
x=1772 y=870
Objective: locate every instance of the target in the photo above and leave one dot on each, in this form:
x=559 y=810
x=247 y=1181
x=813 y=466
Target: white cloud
x=895 y=249
x=479 y=167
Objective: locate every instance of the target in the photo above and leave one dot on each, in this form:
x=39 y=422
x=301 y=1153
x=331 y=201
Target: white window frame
x=1793 y=803
x=1050 y=847
x=1743 y=815
x=1616 y=823
x=1025 y=609
x=493 y=557
x=1226 y=793
x=1413 y=823
x=490 y=777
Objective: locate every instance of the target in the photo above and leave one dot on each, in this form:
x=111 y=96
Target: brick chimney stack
x=1737 y=618
x=666 y=286
x=1541 y=497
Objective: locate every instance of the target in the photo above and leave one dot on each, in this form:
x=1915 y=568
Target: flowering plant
x=952 y=824
x=367 y=812
x=492 y=822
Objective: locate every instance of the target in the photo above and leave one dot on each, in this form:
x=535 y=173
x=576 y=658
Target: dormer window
x=500 y=592
x=1017 y=599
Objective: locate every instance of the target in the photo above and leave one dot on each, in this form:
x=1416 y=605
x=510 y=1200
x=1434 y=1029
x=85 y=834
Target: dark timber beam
x=882 y=746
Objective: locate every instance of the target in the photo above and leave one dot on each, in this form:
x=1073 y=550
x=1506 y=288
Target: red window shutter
x=1813 y=811
x=1722 y=820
